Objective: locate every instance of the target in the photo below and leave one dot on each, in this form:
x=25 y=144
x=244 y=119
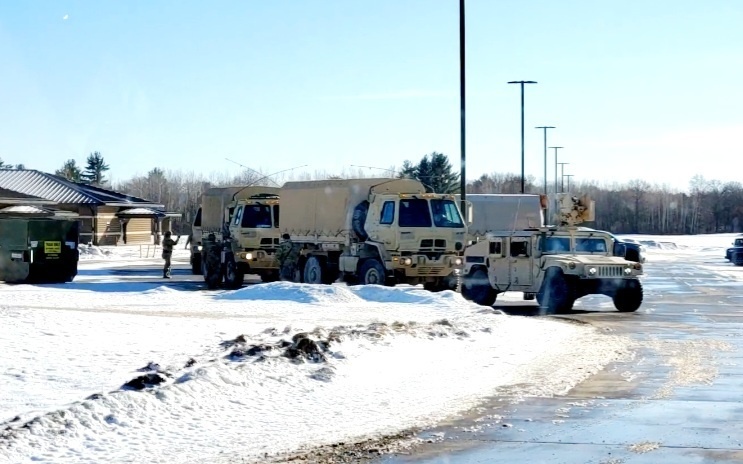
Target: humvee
x=554 y=264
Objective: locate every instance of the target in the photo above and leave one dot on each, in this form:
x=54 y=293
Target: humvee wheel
x=372 y=273
x=628 y=298
x=554 y=296
x=476 y=288
x=233 y=276
x=196 y=264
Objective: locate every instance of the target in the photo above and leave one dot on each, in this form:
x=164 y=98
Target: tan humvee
x=557 y=265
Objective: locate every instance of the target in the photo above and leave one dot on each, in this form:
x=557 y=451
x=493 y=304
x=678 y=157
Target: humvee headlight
x=592 y=271
x=457 y=261
x=628 y=270
x=571 y=265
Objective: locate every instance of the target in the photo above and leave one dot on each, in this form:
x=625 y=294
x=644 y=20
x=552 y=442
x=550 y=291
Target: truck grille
x=609 y=271
x=269 y=242
x=430 y=271
x=433 y=245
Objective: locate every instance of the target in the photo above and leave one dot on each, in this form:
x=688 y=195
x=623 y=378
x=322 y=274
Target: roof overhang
x=145 y=213
x=117 y=204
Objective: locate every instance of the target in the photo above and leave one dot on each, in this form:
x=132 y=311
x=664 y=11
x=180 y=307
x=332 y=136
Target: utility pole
x=522 y=127
x=562 y=177
x=462 y=176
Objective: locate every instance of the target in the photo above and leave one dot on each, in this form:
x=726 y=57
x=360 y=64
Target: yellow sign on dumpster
x=52 y=248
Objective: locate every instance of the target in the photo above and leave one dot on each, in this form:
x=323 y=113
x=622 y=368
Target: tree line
x=708 y=206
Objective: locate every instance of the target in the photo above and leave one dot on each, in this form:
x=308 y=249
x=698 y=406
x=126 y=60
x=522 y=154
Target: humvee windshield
x=738 y=242
x=590 y=245
x=257 y=217
x=582 y=245
x=416 y=213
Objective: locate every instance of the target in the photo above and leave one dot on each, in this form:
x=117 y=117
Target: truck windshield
x=257 y=217
x=446 y=214
x=414 y=213
x=590 y=245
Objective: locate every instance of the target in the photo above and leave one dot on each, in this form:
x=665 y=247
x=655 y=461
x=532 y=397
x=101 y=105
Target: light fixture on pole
x=522 y=127
x=562 y=177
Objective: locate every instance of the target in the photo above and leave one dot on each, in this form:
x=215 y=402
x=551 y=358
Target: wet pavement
x=679 y=399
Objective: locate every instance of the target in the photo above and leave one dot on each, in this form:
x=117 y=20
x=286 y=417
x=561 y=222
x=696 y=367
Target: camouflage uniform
x=168 y=244
x=287 y=255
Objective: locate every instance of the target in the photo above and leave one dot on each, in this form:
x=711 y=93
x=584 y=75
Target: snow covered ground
x=266 y=369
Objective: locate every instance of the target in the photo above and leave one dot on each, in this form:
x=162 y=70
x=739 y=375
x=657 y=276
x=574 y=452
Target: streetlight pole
x=545 y=154
x=462 y=177
x=556 y=148
x=562 y=177
x=569 y=176
x=522 y=127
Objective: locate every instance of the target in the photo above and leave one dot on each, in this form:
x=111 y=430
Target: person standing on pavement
x=168 y=244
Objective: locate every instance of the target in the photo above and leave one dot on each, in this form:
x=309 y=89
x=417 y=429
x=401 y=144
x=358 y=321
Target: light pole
x=556 y=148
x=569 y=176
x=545 y=154
x=522 y=127
x=562 y=177
x=462 y=178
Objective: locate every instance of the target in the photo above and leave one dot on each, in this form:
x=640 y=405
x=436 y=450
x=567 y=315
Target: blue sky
x=637 y=89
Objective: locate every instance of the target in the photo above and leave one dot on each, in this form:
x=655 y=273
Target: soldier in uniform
x=168 y=244
x=287 y=255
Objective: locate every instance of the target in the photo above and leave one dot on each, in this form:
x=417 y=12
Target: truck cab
x=254 y=234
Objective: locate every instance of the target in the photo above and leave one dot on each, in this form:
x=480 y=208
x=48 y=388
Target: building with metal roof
x=106 y=217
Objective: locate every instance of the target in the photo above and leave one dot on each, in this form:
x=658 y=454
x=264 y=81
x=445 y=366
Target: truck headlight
x=406 y=261
x=457 y=261
x=247 y=256
x=198 y=247
x=592 y=271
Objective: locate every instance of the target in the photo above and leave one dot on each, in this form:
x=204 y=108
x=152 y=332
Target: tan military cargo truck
x=504 y=212
x=374 y=231
x=239 y=234
x=556 y=264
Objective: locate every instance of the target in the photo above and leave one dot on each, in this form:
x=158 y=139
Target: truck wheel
x=314 y=271
x=476 y=287
x=554 y=296
x=233 y=276
x=372 y=273
x=196 y=264
x=628 y=299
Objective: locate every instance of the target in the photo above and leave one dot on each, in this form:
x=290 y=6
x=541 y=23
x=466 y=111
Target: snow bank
x=389 y=359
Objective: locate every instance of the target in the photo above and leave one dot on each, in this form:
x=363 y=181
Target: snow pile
x=349 y=363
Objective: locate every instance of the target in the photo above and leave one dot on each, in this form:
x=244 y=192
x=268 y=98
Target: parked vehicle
x=555 y=264
x=735 y=254
x=239 y=232
x=374 y=231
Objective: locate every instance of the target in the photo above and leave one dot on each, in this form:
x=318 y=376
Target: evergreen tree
x=94 y=171
x=434 y=171
x=3 y=165
x=70 y=171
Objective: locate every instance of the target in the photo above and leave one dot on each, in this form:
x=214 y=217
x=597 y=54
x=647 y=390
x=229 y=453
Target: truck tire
x=628 y=299
x=372 y=273
x=196 y=264
x=314 y=271
x=554 y=296
x=233 y=275
x=476 y=288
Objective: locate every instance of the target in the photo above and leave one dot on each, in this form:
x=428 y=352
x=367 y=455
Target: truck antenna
x=250 y=169
x=266 y=177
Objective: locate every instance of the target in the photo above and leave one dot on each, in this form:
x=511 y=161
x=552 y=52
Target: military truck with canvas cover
x=373 y=231
x=38 y=246
x=240 y=235
x=558 y=264
x=504 y=212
